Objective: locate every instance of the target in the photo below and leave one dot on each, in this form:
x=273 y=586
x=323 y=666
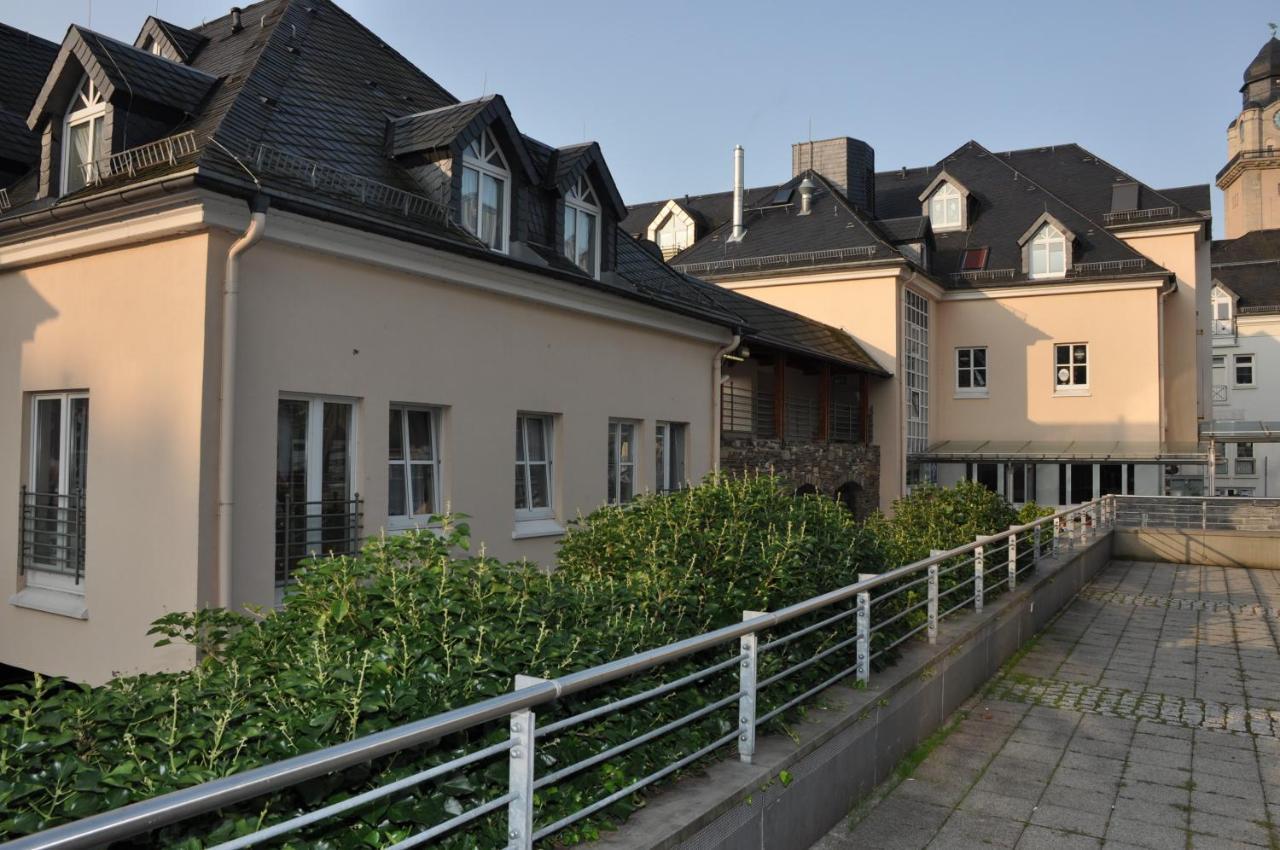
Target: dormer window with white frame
x=582 y=227
x=946 y=208
x=486 y=192
x=1223 y=312
x=1048 y=252
x=82 y=136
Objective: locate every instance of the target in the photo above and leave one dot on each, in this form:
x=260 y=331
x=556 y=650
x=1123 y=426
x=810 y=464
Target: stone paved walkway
x=1147 y=715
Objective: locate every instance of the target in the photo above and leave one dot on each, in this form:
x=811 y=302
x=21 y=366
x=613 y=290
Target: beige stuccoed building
x=229 y=341
x=1044 y=314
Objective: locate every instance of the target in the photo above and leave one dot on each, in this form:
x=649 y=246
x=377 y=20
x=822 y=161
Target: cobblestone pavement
x=1147 y=715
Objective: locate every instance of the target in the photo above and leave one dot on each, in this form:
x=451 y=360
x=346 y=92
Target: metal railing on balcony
x=1127 y=216
x=334 y=181
x=1203 y=513
x=130 y=162
x=315 y=529
x=51 y=533
x=1108 y=267
x=980 y=275
x=747 y=411
x=852 y=625
x=843 y=423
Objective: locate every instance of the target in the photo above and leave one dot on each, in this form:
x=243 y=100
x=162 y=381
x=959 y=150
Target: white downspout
x=227 y=399
x=715 y=399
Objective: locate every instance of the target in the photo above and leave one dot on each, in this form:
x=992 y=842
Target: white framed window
x=413 y=465
x=486 y=192
x=1048 y=252
x=53 y=509
x=534 y=472
x=945 y=208
x=971 y=371
x=582 y=227
x=669 y=456
x=1223 y=309
x=621 y=462
x=1244 y=376
x=1245 y=462
x=317 y=509
x=1071 y=368
x=82 y=137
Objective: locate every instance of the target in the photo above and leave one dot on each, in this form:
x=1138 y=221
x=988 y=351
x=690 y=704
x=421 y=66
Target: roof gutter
x=227 y=393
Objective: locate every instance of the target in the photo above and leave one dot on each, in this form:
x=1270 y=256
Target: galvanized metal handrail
x=1216 y=513
x=1070 y=527
x=166 y=151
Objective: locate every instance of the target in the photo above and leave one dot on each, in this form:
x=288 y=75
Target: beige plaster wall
x=1188 y=335
x=1123 y=402
x=128 y=326
x=316 y=324
x=871 y=309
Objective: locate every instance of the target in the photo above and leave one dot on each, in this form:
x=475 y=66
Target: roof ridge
x=1147 y=186
x=29 y=36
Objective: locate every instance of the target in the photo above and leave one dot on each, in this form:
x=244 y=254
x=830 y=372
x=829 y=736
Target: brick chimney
x=848 y=164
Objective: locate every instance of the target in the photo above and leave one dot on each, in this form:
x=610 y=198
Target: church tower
x=1250 y=181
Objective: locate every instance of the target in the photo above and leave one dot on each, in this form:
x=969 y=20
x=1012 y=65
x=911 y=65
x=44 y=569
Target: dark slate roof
x=1265 y=64
x=708 y=211
x=761 y=323
x=568 y=163
x=123 y=73
x=1191 y=198
x=186 y=42
x=899 y=231
x=778 y=237
x=25 y=60
x=1250 y=267
x=435 y=128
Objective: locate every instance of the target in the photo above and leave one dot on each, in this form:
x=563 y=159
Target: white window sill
x=399 y=525
x=61 y=602
x=971 y=394
x=1244 y=386
x=1069 y=392
x=528 y=528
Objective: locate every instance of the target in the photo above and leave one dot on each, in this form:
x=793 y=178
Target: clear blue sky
x=669 y=88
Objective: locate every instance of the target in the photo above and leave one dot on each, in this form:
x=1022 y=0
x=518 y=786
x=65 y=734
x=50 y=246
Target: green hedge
x=411 y=628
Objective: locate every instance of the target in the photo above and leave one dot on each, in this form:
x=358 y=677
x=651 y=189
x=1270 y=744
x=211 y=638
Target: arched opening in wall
x=847 y=494
x=805 y=490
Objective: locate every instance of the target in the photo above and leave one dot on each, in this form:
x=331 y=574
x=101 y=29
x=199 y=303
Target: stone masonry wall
x=825 y=467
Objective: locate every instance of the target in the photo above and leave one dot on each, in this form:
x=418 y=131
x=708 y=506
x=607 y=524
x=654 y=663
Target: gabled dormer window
x=1223 y=312
x=582 y=227
x=1048 y=252
x=82 y=137
x=486 y=192
x=945 y=211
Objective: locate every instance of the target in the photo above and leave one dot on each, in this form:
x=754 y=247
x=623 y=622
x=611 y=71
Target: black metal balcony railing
x=51 y=533
x=744 y=411
x=315 y=529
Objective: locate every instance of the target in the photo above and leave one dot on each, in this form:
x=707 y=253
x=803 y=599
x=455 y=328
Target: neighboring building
x=1246 y=360
x=1044 y=314
x=268 y=289
x=1250 y=181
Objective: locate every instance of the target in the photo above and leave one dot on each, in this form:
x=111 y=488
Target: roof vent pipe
x=235 y=19
x=806 y=188
x=738 y=230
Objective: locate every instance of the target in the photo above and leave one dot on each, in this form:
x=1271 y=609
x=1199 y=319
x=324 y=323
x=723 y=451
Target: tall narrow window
x=944 y=208
x=533 y=467
x=82 y=137
x=1244 y=370
x=916 y=319
x=53 y=502
x=1071 y=368
x=971 y=371
x=621 y=462
x=413 y=474
x=317 y=512
x=582 y=227
x=486 y=192
x=1048 y=252
x=1245 y=463
x=669 y=456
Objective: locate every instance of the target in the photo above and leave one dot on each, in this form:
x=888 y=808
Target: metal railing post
x=1056 y=542
x=1035 y=546
x=1013 y=558
x=1078 y=517
x=747 y=645
x=863 y=621
x=1204 y=514
x=520 y=773
x=933 y=597
x=978 y=577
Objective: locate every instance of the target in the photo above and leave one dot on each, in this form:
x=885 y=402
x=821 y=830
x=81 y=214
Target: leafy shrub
x=410 y=628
